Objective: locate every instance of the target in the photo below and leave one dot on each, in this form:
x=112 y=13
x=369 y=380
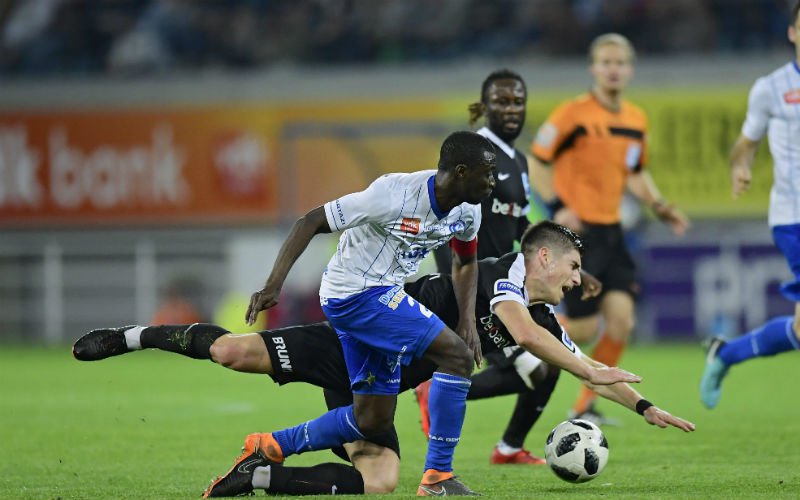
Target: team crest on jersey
x=792 y=97
x=501 y=286
x=458 y=226
x=410 y=225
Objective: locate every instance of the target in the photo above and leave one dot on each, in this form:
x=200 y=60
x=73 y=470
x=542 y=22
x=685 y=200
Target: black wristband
x=642 y=405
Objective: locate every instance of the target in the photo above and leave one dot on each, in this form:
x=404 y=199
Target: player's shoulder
x=579 y=102
x=404 y=179
x=633 y=110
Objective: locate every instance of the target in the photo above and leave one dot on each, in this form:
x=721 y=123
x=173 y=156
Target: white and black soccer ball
x=576 y=450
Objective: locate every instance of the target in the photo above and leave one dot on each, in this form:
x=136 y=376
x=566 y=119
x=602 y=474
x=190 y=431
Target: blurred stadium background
x=153 y=151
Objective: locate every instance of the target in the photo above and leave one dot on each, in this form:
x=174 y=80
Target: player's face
x=561 y=274
x=611 y=67
x=505 y=108
x=478 y=181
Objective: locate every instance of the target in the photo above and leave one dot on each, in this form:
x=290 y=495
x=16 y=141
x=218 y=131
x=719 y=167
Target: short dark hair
x=500 y=74
x=551 y=235
x=795 y=11
x=464 y=147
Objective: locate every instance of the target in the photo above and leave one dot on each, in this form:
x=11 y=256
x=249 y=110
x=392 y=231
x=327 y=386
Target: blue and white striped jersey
x=774 y=109
x=388 y=229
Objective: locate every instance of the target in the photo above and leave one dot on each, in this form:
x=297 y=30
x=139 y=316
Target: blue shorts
x=380 y=329
x=787 y=239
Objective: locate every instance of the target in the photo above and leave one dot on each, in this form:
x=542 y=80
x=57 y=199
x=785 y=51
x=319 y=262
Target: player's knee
x=228 y=353
x=459 y=362
x=621 y=327
x=372 y=423
x=376 y=484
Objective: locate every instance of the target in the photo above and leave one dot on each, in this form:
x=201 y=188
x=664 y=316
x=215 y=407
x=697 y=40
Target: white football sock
x=133 y=337
x=505 y=449
x=262 y=477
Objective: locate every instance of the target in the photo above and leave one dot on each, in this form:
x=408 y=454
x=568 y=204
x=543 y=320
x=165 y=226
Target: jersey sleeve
x=505 y=282
x=758 y=111
x=472 y=223
x=552 y=134
x=363 y=207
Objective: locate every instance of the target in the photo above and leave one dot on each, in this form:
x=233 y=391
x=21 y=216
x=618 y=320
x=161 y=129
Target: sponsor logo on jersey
x=792 y=97
x=501 y=286
x=409 y=225
x=493 y=331
x=283 y=354
x=393 y=297
x=511 y=209
x=340 y=213
x=415 y=253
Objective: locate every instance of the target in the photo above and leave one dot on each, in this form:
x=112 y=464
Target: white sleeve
x=758 y=111
x=472 y=217
x=372 y=204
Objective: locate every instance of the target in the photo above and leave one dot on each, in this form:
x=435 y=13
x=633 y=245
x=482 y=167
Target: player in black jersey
x=505 y=217
x=511 y=308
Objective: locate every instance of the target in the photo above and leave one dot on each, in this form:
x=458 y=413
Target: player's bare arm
x=538 y=341
x=743 y=155
x=628 y=397
x=303 y=230
x=465 y=279
x=541 y=177
x=643 y=187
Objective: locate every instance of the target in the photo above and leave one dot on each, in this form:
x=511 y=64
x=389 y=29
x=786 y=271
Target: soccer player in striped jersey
x=773 y=110
x=597 y=145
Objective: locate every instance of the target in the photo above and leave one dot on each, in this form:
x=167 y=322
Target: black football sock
x=529 y=407
x=495 y=381
x=322 y=479
x=192 y=340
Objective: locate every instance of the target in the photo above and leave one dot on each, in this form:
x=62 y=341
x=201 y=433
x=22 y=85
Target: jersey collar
x=432 y=196
x=508 y=150
x=796 y=67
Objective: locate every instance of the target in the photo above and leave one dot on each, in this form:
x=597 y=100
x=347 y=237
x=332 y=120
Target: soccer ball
x=576 y=450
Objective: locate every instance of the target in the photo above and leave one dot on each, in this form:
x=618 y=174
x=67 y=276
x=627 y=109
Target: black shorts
x=607 y=258
x=313 y=354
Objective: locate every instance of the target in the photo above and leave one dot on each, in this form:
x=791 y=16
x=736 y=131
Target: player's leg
x=192 y=340
x=447 y=403
x=519 y=371
x=775 y=336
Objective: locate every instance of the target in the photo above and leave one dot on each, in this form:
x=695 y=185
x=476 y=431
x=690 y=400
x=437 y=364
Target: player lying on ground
x=511 y=308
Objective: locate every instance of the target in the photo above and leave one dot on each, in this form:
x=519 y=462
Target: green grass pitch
x=153 y=425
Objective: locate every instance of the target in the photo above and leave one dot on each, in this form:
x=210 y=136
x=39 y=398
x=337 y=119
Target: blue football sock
x=447 y=402
x=774 y=337
x=334 y=428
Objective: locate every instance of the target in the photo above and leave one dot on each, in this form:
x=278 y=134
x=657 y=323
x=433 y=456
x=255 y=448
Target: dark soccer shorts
x=312 y=354
x=607 y=258
x=381 y=329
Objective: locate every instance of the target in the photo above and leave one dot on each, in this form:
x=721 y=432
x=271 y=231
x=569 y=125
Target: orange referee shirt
x=592 y=150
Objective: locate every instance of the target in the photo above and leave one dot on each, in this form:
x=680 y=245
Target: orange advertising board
x=195 y=165
x=235 y=164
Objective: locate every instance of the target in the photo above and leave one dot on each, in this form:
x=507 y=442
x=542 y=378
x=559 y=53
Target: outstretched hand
x=656 y=416
x=263 y=299
x=607 y=375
